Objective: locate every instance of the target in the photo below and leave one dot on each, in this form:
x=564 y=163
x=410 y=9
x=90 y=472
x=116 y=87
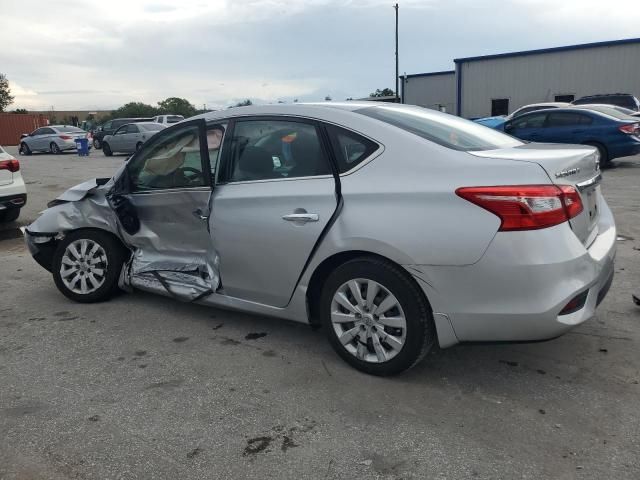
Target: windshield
x=66 y=129
x=446 y=130
x=151 y=127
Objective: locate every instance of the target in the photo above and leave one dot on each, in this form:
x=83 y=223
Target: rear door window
x=131 y=128
x=567 y=119
x=350 y=149
x=275 y=149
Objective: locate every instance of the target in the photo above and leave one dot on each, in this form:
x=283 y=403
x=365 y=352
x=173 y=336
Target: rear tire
x=87 y=264
x=106 y=149
x=605 y=162
x=96 y=144
x=24 y=149
x=54 y=148
x=368 y=334
x=138 y=146
x=10 y=215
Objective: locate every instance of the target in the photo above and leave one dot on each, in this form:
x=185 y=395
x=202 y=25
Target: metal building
x=435 y=90
x=499 y=84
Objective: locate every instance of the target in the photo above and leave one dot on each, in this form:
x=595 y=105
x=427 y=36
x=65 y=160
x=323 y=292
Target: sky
x=74 y=54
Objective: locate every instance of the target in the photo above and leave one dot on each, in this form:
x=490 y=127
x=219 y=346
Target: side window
x=107 y=126
x=47 y=131
x=534 y=120
x=350 y=148
x=37 y=131
x=564 y=119
x=275 y=149
x=120 y=131
x=215 y=135
x=131 y=128
x=175 y=161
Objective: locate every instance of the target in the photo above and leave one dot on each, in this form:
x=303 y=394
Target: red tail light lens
x=630 y=129
x=526 y=207
x=11 y=165
x=66 y=137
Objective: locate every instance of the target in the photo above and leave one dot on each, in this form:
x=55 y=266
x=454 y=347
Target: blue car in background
x=613 y=133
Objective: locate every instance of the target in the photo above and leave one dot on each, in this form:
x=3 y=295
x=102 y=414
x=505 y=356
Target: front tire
x=96 y=144
x=87 y=265
x=54 y=148
x=376 y=317
x=138 y=146
x=24 y=149
x=106 y=149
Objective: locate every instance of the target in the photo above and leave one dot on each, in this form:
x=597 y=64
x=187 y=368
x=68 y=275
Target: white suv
x=13 y=193
x=168 y=119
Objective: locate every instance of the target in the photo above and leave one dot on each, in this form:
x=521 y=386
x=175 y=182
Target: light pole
x=397 y=72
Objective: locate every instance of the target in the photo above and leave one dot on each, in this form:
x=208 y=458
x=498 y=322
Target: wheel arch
x=329 y=264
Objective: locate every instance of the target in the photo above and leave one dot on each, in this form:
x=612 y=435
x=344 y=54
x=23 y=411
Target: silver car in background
x=53 y=139
x=130 y=137
x=394 y=227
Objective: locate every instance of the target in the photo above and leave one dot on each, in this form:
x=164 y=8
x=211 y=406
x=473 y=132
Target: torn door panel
x=159 y=262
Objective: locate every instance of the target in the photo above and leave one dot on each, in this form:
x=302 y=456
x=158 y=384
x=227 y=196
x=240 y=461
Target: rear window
x=626 y=101
x=174 y=118
x=446 y=130
x=612 y=112
x=151 y=127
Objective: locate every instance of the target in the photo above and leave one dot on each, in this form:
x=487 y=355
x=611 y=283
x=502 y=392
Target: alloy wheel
x=368 y=320
x=84 y=266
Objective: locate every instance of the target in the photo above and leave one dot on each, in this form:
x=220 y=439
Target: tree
x=244 y=103
x=20 y=110
x=177 y=106
x=6 y=98
x=385 y=92
x=135 y=109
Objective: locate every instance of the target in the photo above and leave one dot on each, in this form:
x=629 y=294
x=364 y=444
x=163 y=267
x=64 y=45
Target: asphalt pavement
x=144 y=387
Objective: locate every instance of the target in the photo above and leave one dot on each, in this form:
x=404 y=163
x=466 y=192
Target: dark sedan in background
x=613 y=133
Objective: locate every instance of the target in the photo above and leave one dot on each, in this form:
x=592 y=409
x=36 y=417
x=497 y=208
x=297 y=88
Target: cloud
x=76 y=54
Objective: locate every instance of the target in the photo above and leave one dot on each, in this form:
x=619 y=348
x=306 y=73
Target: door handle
x=301 y=217
x=199 y=214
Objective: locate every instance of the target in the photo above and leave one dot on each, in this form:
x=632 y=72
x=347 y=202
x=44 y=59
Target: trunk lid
x=575 y=165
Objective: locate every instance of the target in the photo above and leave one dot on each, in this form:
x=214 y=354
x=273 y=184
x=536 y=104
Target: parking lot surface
x=146 y=387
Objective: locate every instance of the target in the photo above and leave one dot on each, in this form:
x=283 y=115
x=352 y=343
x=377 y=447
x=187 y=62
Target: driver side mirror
x=508 y=127
x=24 y=135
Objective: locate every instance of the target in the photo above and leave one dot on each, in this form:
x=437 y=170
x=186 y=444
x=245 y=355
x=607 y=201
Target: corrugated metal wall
x=12 y=125
x=540 y=77
x=431 y=91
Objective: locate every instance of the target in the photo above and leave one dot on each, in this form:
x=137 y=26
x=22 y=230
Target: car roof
x=544 y=104
x=600 y=95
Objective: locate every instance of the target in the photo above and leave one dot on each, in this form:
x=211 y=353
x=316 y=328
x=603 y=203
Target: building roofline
x=609 y=43
x=429 y=74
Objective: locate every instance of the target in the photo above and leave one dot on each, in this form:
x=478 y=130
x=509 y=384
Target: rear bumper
x=518 y=288
x=630 y=146
x=9 y=202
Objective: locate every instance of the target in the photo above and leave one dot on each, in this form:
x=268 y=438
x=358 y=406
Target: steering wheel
x=197 y=174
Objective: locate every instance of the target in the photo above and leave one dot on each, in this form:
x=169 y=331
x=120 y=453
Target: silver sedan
x=130 y=137
x=54 y=139
x=394 y=227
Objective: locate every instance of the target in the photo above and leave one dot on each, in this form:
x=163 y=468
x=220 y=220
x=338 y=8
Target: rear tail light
x=630 y=128
x=526 y=207
x=12 y=165
x=66 y=137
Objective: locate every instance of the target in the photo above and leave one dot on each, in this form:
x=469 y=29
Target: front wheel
x=376 y=318
x=87 y=264
x=138 y=146
x=55 y=149
x=24 y=149
x=96 y=144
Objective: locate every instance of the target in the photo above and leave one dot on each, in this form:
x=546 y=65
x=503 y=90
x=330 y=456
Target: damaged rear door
x=163 y=201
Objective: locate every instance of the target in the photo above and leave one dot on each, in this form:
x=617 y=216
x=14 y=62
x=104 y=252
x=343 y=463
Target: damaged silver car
x=394 y=227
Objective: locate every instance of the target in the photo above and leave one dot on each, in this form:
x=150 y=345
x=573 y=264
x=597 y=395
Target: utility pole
x=397 y=72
